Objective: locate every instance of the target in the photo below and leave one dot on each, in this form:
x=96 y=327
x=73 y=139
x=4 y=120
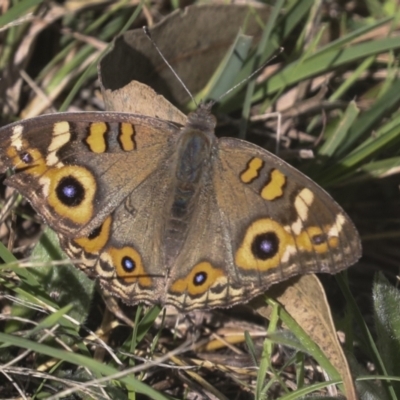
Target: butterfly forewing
x=76 y=168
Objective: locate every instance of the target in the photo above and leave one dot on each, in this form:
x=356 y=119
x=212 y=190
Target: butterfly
x=164 y=213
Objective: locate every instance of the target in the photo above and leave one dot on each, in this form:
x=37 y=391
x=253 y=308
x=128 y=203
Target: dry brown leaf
x=194 y=55
x=304 y=299
x=147 y=102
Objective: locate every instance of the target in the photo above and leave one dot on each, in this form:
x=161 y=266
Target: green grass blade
x=335 y=140
x=82 y=361
x=18 y=10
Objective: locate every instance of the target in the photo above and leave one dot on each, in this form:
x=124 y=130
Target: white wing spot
x=297 y=227
x=289 y=251
x=61 y=136
x=303 y=202
x=16 y=137
x=337 y=226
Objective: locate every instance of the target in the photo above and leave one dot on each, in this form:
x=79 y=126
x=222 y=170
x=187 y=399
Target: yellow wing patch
x=126 y=136
x=252 y=170
x=96 y=139
x=273 y=189
x=96 y=241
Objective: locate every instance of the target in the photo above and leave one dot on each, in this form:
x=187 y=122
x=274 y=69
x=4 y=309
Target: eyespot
x=263 y=245
x=70 y=191
x=26 y=158
x=201 y=278
x=318 y=239
x=128 y=265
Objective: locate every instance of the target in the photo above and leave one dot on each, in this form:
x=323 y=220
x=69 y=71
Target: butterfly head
x=202 y=119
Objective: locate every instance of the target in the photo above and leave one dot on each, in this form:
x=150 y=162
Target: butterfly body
x=169 y=214
x=191 y=176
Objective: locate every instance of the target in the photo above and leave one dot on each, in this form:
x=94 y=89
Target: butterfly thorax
x=192 y=171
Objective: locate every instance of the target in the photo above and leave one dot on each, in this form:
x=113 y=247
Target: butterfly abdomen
x=192 y=166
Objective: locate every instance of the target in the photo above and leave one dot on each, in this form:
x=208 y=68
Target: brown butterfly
x=170 y=214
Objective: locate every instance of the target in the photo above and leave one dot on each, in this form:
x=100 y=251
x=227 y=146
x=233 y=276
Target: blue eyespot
x=265 y=245
x=128 y=264
x=199 y=278
x=26 y=158
x=318 y=239
x=70 y=191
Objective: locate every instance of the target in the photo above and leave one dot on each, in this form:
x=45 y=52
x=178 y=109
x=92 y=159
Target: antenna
x=147 y=33
x=249 y=77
